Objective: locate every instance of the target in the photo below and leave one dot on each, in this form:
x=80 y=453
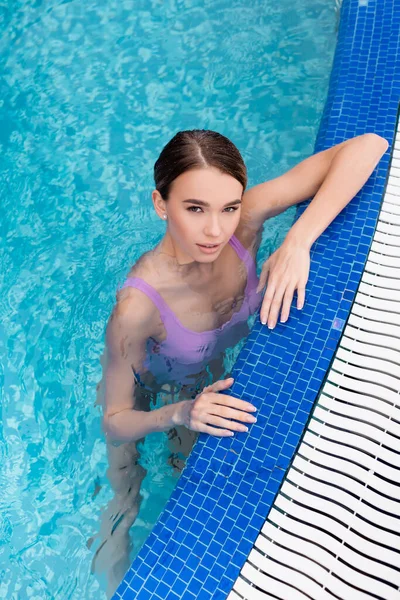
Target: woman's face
x=203 y=209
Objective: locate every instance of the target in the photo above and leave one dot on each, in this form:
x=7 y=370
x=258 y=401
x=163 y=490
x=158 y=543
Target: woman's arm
x=286 y=271
x=348 y=165
x=129 y=327
x=349 y=170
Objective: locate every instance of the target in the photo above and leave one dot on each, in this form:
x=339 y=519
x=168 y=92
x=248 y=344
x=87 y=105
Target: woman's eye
x=195 y=208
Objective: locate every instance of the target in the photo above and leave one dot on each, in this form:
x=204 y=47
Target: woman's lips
x=211 y=250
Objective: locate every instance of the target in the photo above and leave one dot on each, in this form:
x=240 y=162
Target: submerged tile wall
x=225 y=492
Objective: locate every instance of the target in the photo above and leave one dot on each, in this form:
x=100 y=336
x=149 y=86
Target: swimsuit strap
x=241 y=251
x=158 y=300
x=146 y=288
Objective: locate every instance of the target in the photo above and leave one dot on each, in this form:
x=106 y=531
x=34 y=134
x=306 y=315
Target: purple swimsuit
x=185 y=352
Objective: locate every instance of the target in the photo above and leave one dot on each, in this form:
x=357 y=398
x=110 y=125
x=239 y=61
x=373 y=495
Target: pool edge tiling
x=225 y=492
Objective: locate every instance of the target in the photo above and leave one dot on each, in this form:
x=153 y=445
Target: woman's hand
x=211 y=408
x=286 y=271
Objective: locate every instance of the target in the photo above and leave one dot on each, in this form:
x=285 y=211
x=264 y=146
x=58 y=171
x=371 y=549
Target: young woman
x=187 y=300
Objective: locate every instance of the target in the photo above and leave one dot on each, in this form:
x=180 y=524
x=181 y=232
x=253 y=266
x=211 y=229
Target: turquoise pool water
x=89 y=94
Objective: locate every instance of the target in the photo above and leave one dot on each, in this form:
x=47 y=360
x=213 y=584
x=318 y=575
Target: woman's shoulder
x=133 y=308
x=135 y=304
x=143 y=267
x=130 y=297
x=155 y=270
x=134 y=316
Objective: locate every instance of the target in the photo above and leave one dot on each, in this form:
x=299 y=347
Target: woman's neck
x=183 y=264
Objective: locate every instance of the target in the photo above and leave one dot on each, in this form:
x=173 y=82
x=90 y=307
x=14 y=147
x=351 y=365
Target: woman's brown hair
x=197 y=149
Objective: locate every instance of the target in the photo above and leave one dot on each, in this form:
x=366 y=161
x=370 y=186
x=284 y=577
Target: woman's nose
x=213 y=227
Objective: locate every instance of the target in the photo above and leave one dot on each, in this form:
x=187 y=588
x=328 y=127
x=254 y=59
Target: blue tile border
x=209 y=525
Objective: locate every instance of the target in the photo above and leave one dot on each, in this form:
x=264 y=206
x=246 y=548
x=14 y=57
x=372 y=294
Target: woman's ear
x=159 y=203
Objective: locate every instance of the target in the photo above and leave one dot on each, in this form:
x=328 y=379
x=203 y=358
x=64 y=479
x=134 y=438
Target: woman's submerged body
x=210 y=314
x=183 y=305
x=201 y=325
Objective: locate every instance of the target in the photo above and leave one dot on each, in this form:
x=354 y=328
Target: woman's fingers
x=226 y=423
x=216 y=432
x=218 y=386
x=263 y=276
x=225 y=412
x=280 y=299
x=220 y=410
x=272 y=303
x=266 y=304
x=286 y=270
x=275 y=307
x=223 y=400
x=287 y=301
x=301 y=296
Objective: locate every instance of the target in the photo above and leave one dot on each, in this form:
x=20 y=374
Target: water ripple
x=89 y=94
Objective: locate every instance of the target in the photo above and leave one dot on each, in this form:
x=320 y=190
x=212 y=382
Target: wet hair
x=197 y=149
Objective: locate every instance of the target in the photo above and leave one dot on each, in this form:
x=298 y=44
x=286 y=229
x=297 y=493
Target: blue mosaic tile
x=204 y=535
